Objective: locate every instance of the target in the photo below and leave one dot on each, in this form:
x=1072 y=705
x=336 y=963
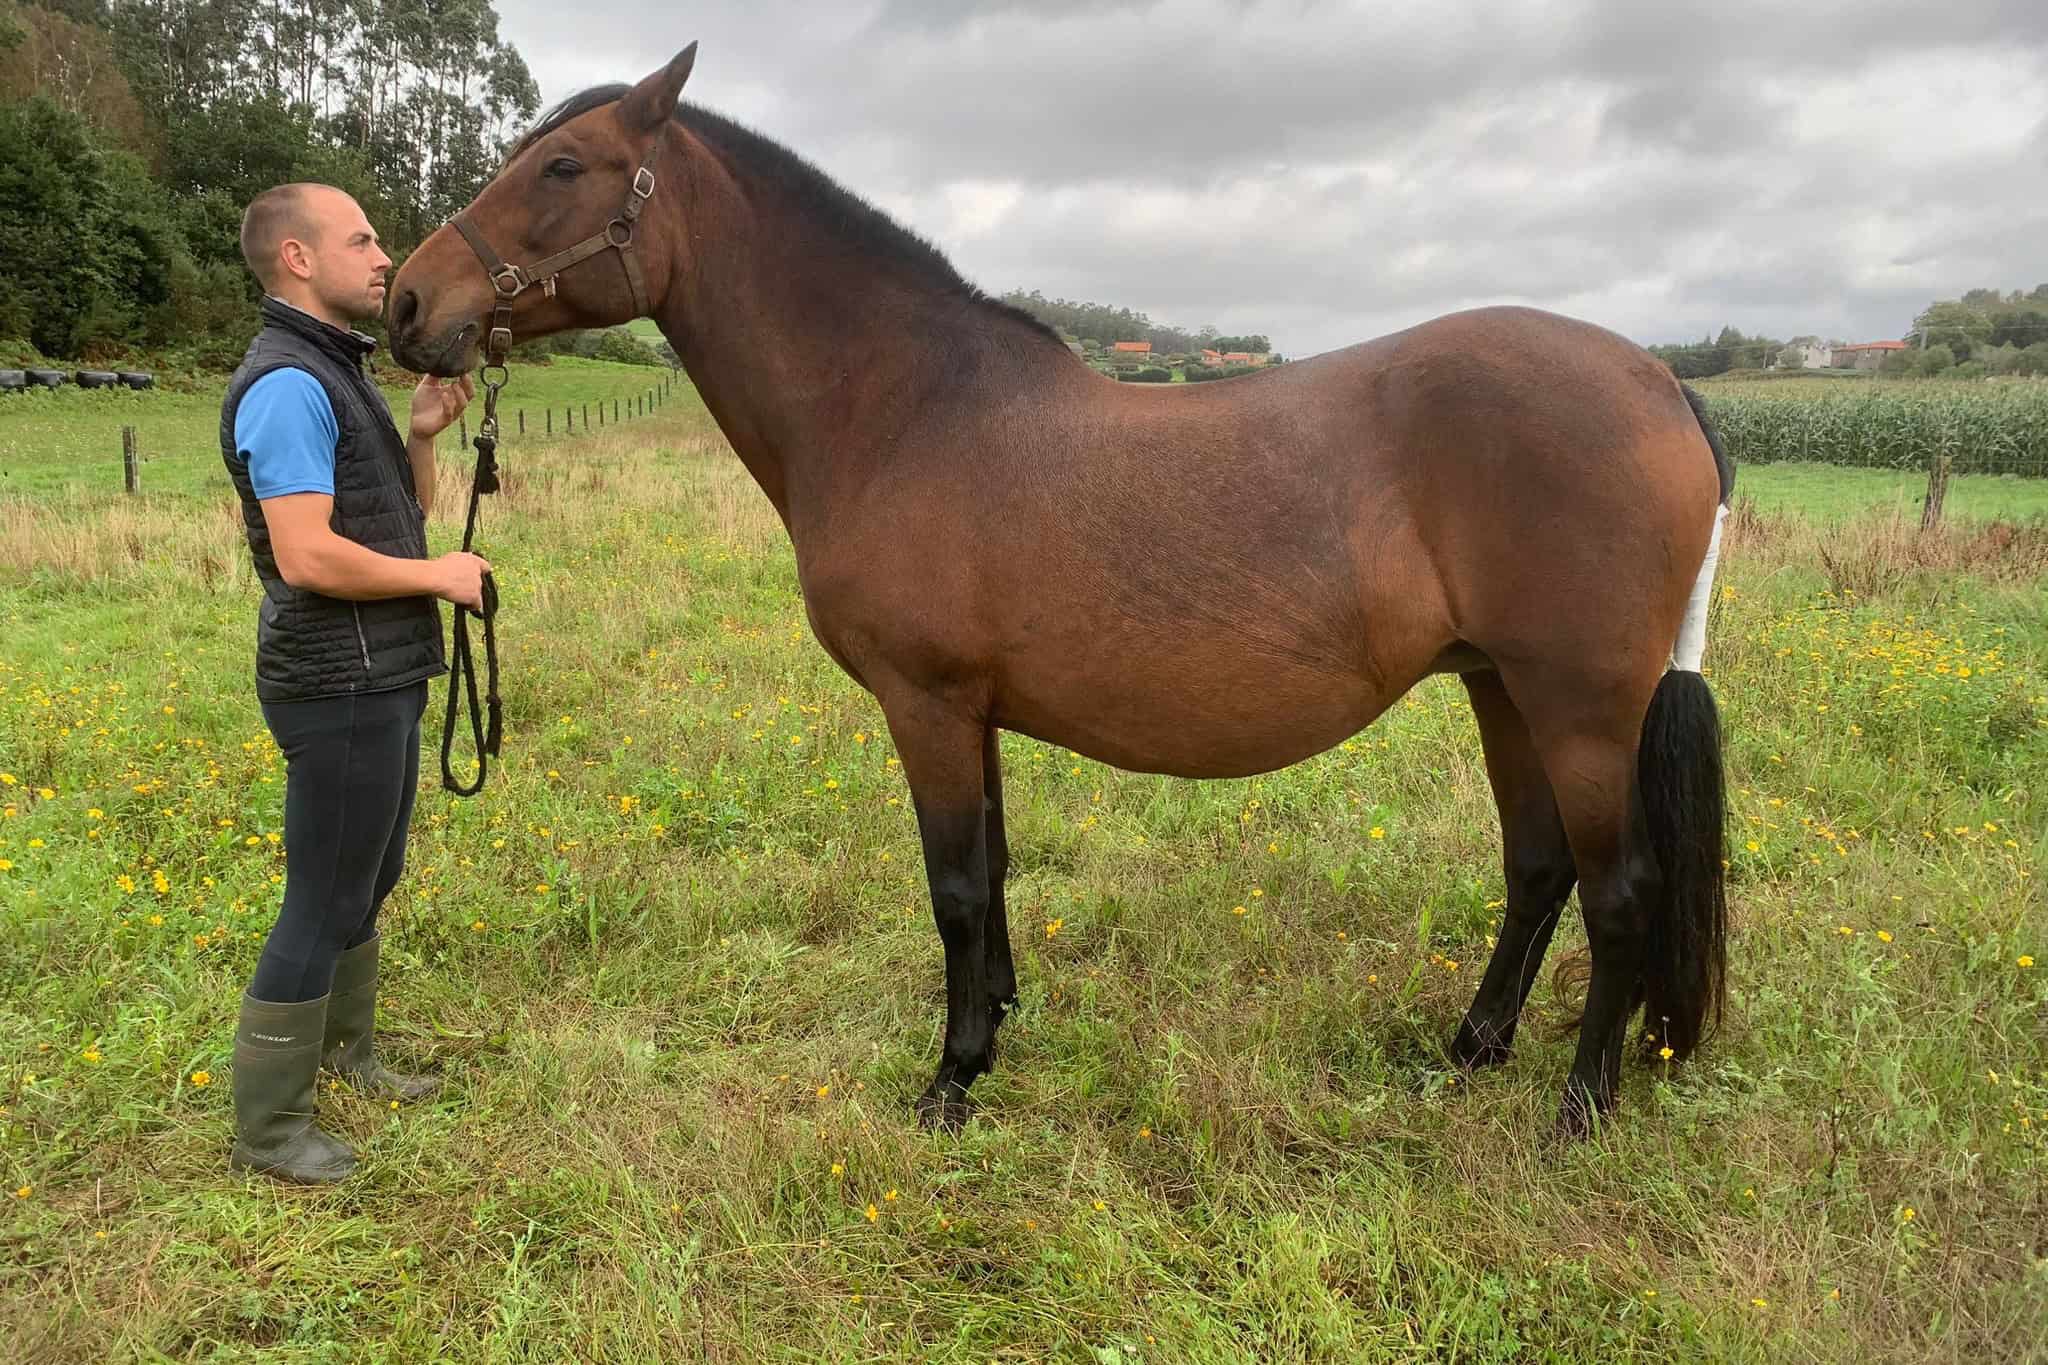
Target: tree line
x=1986 y=331
x=1106 y=324
x=133 y=133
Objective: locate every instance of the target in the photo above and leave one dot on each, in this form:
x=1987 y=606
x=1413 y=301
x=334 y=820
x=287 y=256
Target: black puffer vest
x=307 y=644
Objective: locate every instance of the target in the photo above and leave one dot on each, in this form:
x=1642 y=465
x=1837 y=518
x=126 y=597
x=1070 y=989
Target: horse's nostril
x=403 y=310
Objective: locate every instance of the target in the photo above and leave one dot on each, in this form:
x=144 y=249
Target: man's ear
x=649 y=103
x=298 y=261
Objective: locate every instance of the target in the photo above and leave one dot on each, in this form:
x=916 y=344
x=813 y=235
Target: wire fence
x=513 y=421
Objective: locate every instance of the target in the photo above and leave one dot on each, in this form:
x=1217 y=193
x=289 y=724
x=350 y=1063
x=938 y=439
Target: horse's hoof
x=1576 y=1114
x=1468 y=1051
x=939 y=1113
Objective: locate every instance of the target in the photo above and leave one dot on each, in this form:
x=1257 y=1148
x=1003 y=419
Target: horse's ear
x=654 y=99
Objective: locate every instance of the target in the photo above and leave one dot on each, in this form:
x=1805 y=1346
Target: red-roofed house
x=1864 y=355
x=1244 y=358
x=1133 y=347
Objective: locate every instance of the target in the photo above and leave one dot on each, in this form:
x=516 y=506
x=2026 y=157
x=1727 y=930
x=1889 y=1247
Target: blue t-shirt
x=286 y=434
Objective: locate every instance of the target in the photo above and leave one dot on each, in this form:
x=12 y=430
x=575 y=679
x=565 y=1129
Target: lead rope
x=462 y=668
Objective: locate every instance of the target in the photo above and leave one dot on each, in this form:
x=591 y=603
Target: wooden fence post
x=1937 y=490
x=586 y=415
x=465 y=429
x=569 y=416
x=551 y=421
x=131 y=466
x=522 y=421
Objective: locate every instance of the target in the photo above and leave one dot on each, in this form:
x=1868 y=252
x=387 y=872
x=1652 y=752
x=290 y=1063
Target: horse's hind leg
x=1001 y=970
x=1538 y=863
x=1587 y=725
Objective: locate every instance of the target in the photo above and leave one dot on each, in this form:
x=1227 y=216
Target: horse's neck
x=811 y=371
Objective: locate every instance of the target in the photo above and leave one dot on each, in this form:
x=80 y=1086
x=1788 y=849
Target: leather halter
x=510 y=281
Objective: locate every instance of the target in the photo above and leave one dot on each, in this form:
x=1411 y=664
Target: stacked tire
x=14 y=381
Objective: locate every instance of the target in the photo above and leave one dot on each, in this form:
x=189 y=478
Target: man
x=334 y=502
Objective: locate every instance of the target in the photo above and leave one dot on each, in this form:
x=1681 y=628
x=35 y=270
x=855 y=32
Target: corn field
x=1999 y=428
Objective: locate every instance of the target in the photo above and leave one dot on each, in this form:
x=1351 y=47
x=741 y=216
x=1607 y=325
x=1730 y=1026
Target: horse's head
x=576 y=183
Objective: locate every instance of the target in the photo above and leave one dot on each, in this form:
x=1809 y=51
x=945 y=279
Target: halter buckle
x=501 y=341
x=643 y=183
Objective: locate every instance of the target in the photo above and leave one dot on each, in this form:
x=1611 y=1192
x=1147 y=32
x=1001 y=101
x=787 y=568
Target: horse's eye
x=562 y=168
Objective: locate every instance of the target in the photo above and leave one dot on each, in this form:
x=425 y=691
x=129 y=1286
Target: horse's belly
x=1209 y=713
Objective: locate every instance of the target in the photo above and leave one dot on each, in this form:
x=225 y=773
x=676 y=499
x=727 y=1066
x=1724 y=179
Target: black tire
x=48 y=379
x=137 y=381
x=12 y=381
x=97 y=379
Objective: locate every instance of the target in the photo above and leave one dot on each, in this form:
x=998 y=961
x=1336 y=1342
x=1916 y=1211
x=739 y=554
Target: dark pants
x=351 y=767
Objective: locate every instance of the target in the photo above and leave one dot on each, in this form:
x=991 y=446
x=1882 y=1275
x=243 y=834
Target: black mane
x=847 y=215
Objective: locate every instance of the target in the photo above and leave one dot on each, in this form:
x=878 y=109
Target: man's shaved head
x=271 y=217
x=310 y=245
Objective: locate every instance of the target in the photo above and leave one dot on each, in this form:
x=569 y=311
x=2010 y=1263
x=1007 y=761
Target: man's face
x=345 y=268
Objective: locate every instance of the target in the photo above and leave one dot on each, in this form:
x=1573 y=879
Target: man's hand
x=462 y=579
x=436 y=403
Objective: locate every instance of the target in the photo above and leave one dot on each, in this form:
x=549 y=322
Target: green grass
x=678 y=964
x=1832 y=494
x=67 y=443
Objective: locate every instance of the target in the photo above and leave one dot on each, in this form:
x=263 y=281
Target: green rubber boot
x=349 y=1048
x=277 y=1060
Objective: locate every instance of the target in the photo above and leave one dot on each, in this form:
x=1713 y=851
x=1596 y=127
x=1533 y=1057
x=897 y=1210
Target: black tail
x=1678 y=771
x=1724 y=464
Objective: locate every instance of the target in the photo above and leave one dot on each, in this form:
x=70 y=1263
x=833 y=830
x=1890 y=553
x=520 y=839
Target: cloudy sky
x=1325 y=173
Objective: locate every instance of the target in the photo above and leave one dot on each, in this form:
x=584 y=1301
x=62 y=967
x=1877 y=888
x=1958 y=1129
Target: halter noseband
x=510 y=281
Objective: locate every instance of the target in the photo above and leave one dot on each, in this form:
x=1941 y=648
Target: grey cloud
x=1326 y=172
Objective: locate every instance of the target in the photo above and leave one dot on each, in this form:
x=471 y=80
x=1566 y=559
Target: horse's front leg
x=941 y=748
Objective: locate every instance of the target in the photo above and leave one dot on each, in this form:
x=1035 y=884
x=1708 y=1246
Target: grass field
x=67 y=443
x=678 y=963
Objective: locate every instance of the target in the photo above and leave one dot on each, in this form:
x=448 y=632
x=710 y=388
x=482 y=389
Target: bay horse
x=1204 y=581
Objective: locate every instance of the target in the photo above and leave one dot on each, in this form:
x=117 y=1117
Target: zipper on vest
x=361 y=640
